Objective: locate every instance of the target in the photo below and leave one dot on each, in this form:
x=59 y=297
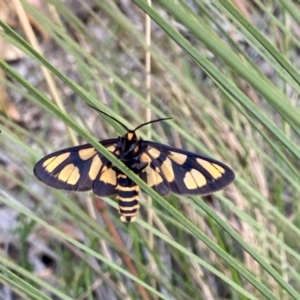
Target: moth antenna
x=153 y=121
x=106 y=114
x=125 y=127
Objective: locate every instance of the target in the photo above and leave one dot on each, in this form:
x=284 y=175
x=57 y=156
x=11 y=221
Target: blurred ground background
x=100 y=46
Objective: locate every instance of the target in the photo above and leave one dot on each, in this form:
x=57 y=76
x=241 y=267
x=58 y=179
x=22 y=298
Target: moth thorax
x=129 y=144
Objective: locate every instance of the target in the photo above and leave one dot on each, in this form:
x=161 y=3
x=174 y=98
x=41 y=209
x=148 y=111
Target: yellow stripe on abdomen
x=128 y=197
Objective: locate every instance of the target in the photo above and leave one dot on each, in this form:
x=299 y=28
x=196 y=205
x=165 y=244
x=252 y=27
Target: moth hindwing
x=164 y=168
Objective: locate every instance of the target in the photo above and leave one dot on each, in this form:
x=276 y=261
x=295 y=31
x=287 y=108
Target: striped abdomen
x=128 y=197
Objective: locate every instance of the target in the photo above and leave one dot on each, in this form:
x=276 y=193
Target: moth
x=164 y=168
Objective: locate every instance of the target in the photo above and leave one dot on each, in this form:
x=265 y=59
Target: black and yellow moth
x=164 y=168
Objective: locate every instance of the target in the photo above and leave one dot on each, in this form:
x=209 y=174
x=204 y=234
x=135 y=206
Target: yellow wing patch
x=167 y=170
x=69 y=174
x=111 y=148
x=215 y=170
x=53 y=162
x=108 y=176
x=194 y=179
x=179 y=158
x=86 y=154
x=154 y=153
x=222 y=170
x=146 y=158
x=153 y=177
x=95 y=167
